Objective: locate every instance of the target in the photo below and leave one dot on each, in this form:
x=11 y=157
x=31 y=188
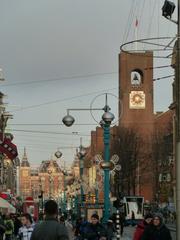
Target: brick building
x=144 y=139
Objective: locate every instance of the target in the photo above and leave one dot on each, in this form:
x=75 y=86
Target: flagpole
x=136 y=34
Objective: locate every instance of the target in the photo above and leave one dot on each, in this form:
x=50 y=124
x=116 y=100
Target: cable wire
x=58 y=79
x=46 y=132
x=61 y=100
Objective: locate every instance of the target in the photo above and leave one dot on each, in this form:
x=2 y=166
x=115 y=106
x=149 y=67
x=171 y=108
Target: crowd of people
x=52 y=227
x=152 y=228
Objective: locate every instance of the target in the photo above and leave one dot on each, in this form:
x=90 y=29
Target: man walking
x=9 y=227
x=50 y=228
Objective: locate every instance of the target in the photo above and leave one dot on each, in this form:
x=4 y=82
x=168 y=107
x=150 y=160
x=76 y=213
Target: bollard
x=118 y=235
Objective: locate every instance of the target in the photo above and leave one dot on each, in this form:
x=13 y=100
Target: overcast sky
x=61 y=54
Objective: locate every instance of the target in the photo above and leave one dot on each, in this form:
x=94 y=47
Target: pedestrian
x=17 y=225
x=2 y=227
x=80 y=227
x=62 y=220
x=157 y=230
x=110 y=229
x=8 y=222
x=95 y=230
x=27 y=228
x=69 y=227
x=50 y=228
x=121 y=221
x=132 y=218
x=141 y=226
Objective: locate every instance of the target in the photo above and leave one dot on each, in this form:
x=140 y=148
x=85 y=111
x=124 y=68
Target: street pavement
x=129 y=231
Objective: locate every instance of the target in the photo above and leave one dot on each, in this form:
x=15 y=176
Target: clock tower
x=136 y=91
x=136 y=95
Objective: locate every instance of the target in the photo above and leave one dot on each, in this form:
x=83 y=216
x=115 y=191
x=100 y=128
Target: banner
x=8 y=148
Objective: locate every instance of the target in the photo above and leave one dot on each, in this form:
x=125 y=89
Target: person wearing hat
x=95 y=230
x=158 y=230
x=142 y=225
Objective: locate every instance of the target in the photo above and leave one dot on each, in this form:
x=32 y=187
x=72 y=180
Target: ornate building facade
x=47 y=179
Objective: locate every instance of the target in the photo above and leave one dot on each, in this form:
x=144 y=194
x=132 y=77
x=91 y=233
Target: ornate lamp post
x=81 y=154
x=58 y=154
x=106 y=121
x=64 y=193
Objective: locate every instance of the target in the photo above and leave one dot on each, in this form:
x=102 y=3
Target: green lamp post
x=106 y=121
x=81 y=154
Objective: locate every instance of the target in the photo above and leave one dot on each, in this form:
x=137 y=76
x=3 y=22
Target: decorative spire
x=25 y=162
x=25 y=153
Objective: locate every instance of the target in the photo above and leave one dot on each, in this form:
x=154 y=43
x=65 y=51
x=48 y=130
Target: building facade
x=47 y=179
x=143 y=139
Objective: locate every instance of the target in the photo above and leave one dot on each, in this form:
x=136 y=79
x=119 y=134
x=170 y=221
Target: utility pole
x=177 y=91
x=167 y=10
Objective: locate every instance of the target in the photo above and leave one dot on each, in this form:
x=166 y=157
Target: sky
x=62 y=54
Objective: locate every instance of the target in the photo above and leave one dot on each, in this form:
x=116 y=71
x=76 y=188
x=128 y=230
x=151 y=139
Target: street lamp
x=168 y=9
x=107 y=117
x=106 y=121
x=81 y=154
x=58 y=154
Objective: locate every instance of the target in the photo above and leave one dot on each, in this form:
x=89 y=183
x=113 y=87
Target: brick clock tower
x=136 y=95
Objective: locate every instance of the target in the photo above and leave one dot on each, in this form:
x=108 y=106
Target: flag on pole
x=136 y=33
x=136 y=23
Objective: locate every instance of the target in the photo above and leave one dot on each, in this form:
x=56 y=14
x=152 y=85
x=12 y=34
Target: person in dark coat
x=50 y=228
x=132 y=218
x=110 y=229
x=141 y=226
x=2 y=227
x=17 y=225
x=157 y=231
x=80 y=227
x=95 y=230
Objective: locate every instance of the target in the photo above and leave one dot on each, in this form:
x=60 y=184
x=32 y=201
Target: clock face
x=136 y=78
x=137 y=100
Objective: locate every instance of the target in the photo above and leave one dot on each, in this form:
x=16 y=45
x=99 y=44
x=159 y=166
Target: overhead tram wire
x=129 y=21
x=151 y=19
x=58 y=141
x=61 y=100
x=169 y=76
x=47 y=132
x=58 y=79
x=164 y=66
x=142 y=11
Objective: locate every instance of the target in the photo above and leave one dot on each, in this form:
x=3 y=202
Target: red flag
x=136 y=24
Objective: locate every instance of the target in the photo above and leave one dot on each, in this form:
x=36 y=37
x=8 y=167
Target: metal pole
x=118 y=235
x=17 y=181
x=106 y=172
x=81 y=177
x=64 y=192
x=177 y=85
